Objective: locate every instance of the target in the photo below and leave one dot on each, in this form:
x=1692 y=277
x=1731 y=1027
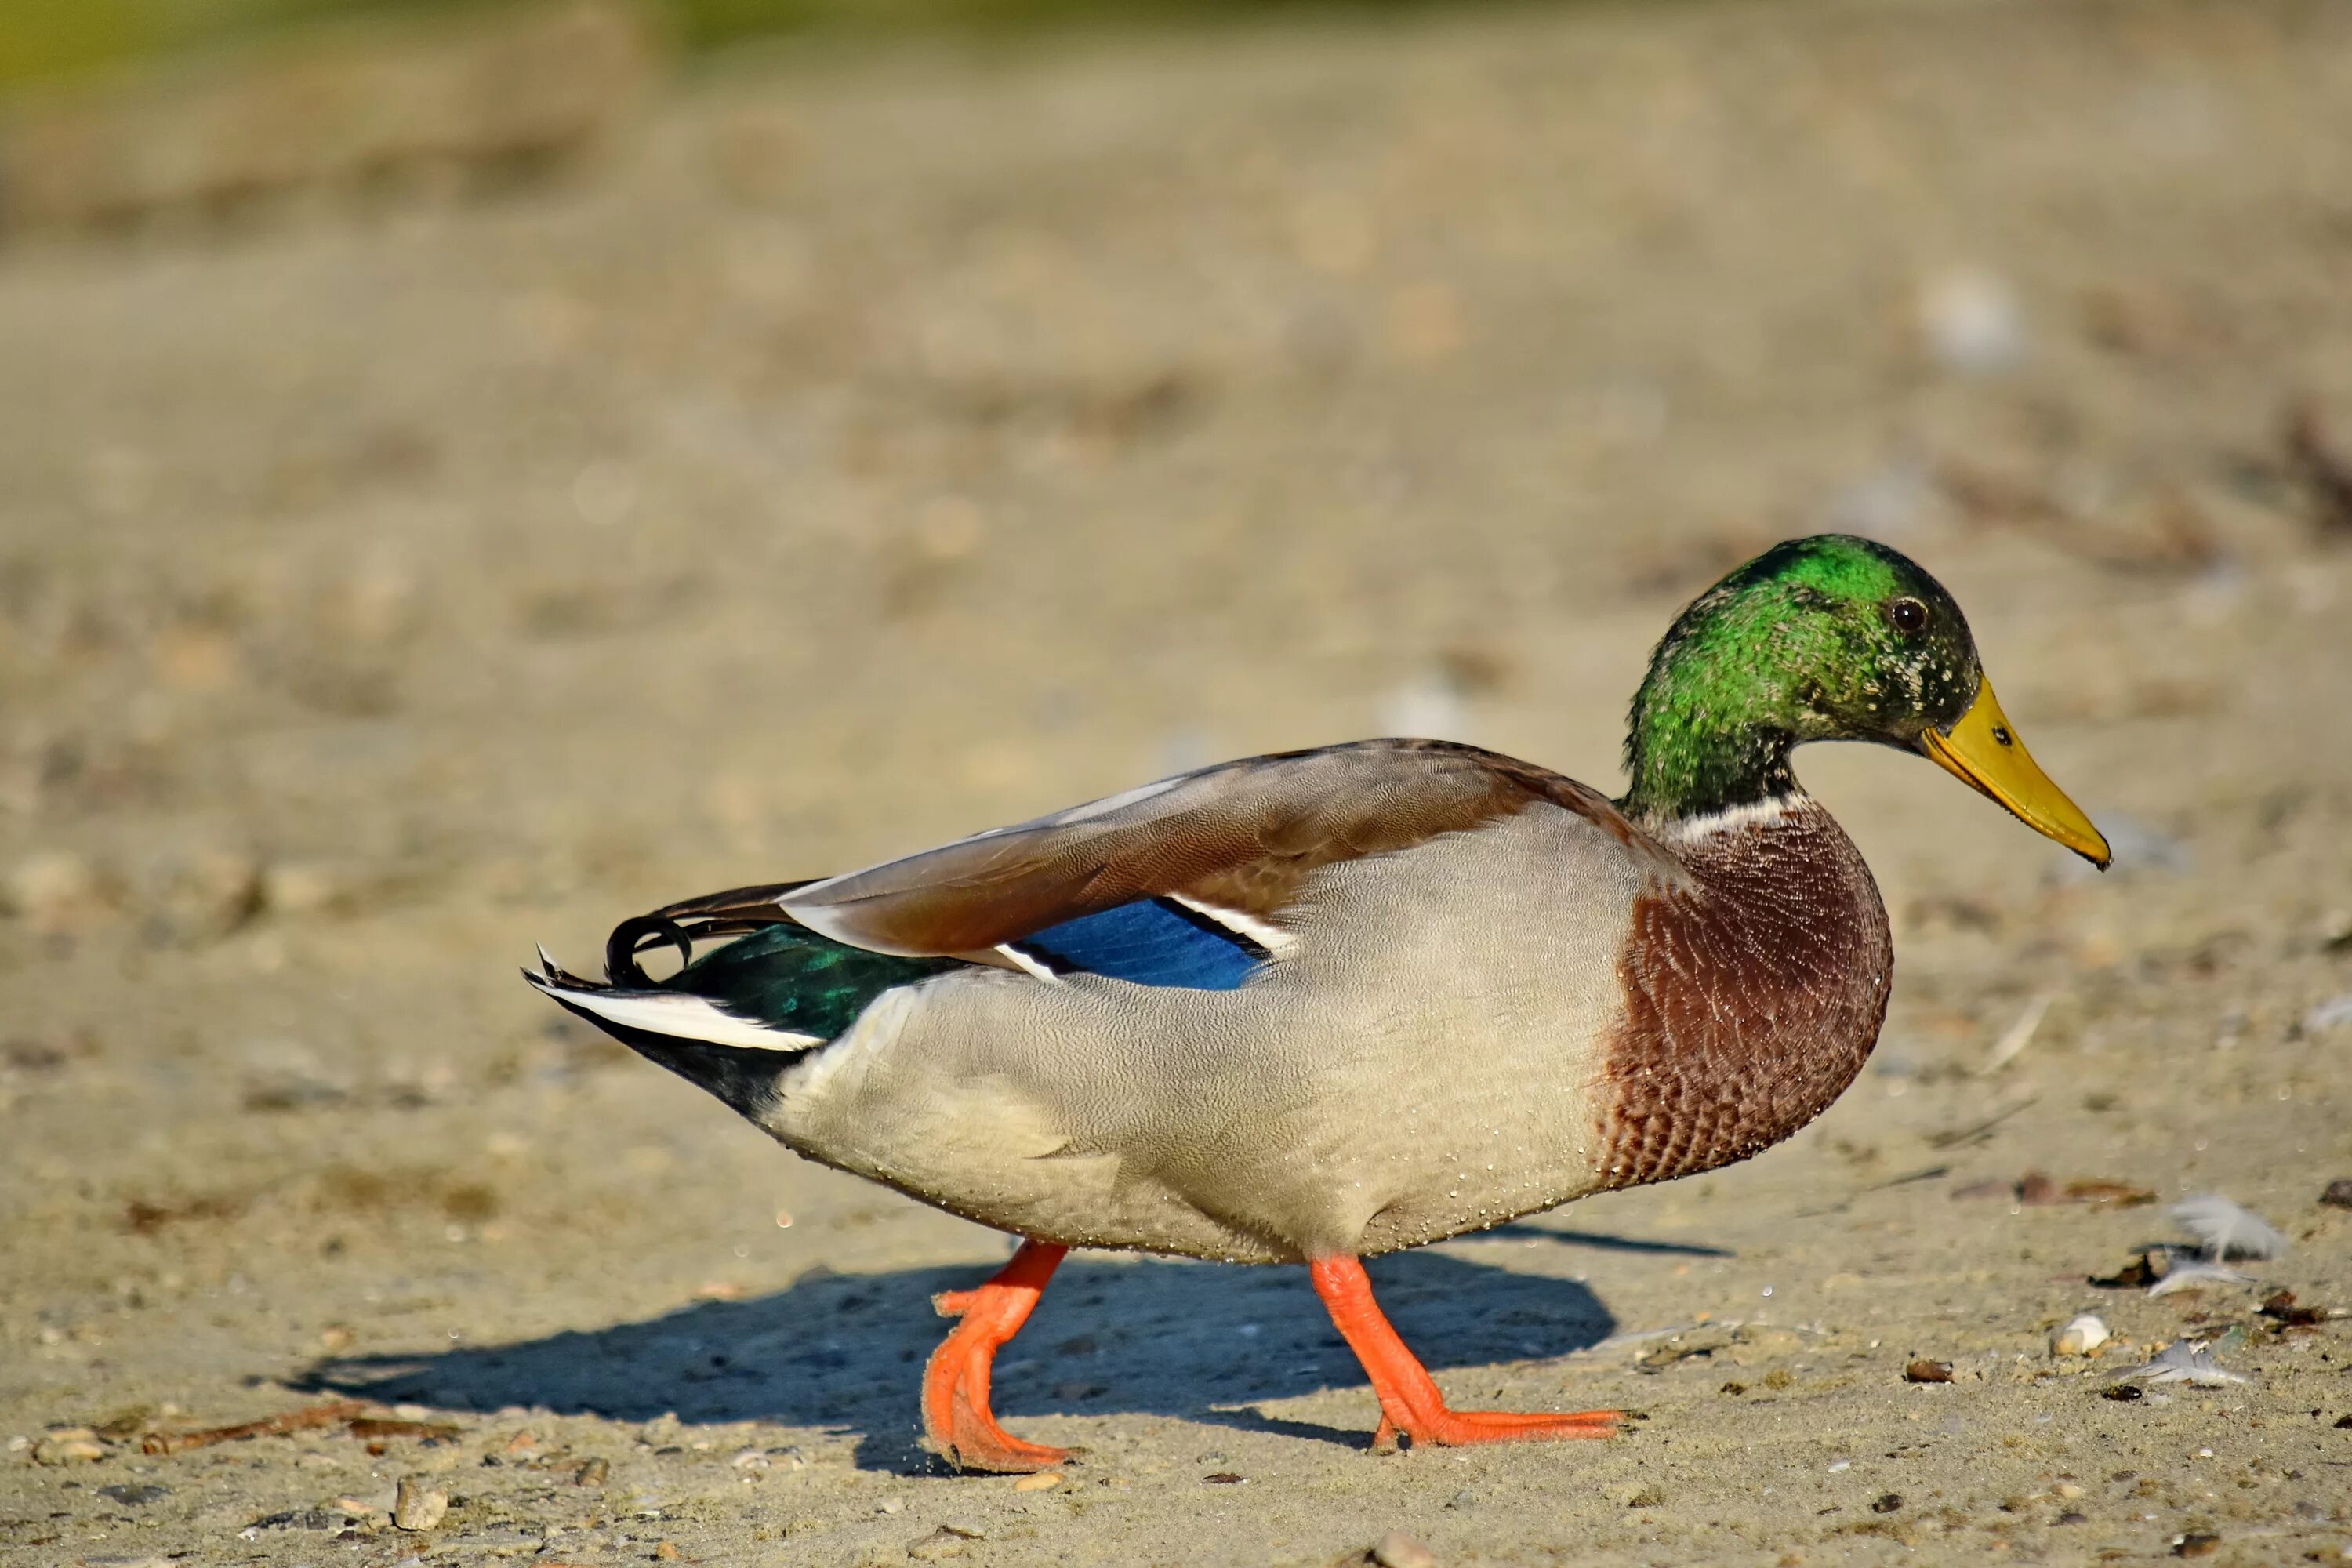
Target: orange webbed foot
x=957 y=1424
x=1446 y=1428
x=1410 y=1405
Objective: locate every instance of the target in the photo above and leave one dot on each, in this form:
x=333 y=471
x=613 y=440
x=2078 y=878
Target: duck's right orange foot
x=957 y=1424
x=1446 y=1428
x=1410 y=1405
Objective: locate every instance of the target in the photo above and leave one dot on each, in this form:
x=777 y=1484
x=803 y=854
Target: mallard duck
x=1312 y=1008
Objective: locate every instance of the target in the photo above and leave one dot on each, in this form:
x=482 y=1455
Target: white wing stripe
x=1272 y=938
x=1029 y=965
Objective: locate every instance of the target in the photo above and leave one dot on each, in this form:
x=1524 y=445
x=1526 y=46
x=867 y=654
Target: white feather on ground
x=2226 y=1229
x=2188 y=1275
x=2185 y=1360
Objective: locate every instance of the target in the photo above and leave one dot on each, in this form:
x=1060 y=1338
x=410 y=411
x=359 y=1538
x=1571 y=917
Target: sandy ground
x=872 y=449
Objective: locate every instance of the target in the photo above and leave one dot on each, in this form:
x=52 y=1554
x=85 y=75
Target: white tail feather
x=677 y=1014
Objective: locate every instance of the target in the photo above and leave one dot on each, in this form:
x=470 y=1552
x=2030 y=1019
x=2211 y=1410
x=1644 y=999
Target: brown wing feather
x=1239 y=837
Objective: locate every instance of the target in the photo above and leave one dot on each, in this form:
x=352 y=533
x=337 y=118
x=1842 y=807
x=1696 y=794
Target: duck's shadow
x=1196 y=1341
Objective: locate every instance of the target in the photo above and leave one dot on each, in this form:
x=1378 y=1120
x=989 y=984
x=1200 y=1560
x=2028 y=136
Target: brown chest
x=1753 y=995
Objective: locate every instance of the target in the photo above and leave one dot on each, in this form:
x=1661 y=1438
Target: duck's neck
x=1707 y=735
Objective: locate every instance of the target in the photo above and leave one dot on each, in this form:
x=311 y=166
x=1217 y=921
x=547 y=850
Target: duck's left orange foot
x=957 y=1424
x=1410 y=1405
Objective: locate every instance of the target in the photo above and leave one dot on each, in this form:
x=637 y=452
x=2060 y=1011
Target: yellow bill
x=1985 y=751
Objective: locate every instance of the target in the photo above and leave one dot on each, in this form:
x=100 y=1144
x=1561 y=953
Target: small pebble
x=305 y=888
x=666 y=1551
x=2196 y=1543
x=1926 y=1371
x=208 y=894
x=69 y=1446
x=2144 y=1268
x=2332 y=1013
x=1043 y=1481
x=418 y=1507
x=2338 y=1193
x=1886 y=1502
x=2082 y=1335
x=1398 y=1550
x=55 y=892
x=1971 y=320
x=940 y=1543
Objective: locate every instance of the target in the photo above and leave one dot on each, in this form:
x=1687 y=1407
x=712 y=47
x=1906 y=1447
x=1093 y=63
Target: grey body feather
x=1425 y=1062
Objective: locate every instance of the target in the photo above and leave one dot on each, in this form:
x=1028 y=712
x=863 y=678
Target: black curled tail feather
x=733 y=913
x=768 y=967
x=632 y=937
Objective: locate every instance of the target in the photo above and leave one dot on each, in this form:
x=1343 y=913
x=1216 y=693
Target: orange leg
x=1410 y=1402
x=957 y=1422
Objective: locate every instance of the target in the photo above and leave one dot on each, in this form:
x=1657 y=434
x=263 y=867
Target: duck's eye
x=1909 y=615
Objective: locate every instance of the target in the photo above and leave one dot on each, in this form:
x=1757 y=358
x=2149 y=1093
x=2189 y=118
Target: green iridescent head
x=1827 y=638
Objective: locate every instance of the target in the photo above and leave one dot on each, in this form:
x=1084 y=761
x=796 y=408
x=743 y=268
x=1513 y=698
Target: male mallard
x=1311 y=1008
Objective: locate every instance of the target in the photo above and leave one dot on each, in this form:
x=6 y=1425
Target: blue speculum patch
x=1155 y=941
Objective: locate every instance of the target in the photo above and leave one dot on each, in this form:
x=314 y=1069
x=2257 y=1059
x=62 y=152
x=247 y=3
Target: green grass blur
x=46 y=40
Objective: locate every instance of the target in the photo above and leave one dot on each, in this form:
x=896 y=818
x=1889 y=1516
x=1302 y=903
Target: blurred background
x=472 y=471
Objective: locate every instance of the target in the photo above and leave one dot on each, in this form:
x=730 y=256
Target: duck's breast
x=1752 y=994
